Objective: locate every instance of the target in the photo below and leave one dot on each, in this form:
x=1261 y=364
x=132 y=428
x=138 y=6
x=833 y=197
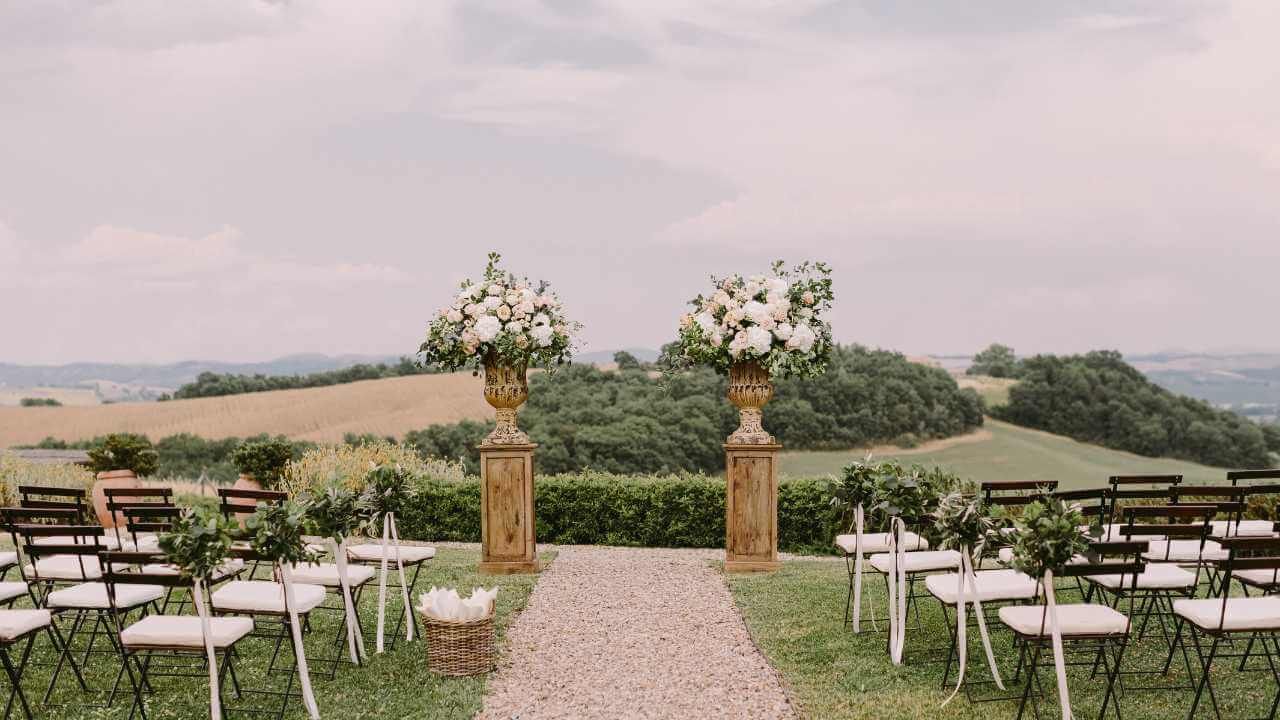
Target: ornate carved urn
x=505 y=388
x=749 y=390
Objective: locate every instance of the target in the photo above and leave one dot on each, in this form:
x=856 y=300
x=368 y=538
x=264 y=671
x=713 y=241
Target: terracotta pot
x=749 y=390
x=111 y=479
x=246 y=482
x=505 y=388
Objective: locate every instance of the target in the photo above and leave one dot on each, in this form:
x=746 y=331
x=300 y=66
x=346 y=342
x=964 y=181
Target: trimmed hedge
x=593 y=508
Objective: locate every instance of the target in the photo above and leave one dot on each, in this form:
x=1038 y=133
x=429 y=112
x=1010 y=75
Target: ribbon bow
x=897 y=590
x=389 y=533
x=355 y=638
x=968 y=580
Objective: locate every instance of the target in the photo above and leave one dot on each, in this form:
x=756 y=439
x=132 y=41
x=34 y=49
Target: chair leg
x=848 y=598
x=15 y=679
x=139 y=703
x=1031 y=673
x=1206 y=665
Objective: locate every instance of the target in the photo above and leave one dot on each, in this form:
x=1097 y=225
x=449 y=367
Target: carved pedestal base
x=751 y=508
x=506 y=510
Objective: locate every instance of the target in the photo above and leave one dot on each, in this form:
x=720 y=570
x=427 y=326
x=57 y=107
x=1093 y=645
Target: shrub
x=15 y=471
x=264 y=460
x=39 y=402
x=124 y=451
x=350 y=464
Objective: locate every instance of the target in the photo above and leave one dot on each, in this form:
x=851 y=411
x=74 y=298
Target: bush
x=1099 y=398
x=124 y=451
x=350 y=464
x=996 y=361
x=264 y=460
x=39 y=402
x=685 y=510
x=15 y=471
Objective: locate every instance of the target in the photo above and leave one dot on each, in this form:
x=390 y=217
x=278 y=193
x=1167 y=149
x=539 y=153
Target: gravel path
x=633 y=633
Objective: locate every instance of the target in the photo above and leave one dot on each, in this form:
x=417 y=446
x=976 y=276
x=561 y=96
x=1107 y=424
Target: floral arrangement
x=337 y=512
x=775 y=320
x=1048 y=536
x=276 y=532
x=502 y=317
x=858 y=484
x=198 y=542
x=961 y=520
x=386 y=489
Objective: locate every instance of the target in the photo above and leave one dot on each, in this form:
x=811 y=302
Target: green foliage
x=1099 y=398
x=996 y=361
x=199 y=541
x=264 y=460
x=858 y=484
x=1047 y=536
x=337 y=512
x=276 y=532
x=685 y=510
x=627 y=361
x=210 y=384
x=124 y=451
x=386 y=489
x=39 y=402
x=1271 y=436
x=961 y=519
x=457 y=441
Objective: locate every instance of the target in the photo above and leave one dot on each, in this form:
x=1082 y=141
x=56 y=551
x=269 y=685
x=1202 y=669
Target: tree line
x=211 y=384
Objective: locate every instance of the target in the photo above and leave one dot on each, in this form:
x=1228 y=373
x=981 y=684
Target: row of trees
x=1101 y=399
x=209 y=384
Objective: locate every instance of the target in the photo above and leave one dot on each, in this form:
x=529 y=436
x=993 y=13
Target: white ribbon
x=969 y=582
x=1059 y=664
x=355 y=639
x=857 y=570
x=304 y=674
x=389 y=533
x=215 y=699
x=897 y=590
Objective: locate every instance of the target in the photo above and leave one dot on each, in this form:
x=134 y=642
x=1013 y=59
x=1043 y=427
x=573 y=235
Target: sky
x=240 y=179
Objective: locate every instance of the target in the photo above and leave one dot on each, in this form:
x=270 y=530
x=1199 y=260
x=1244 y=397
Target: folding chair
x=1220 y=620
x=120 y=500
x=39 y=497
x=918 y=565
x=1012 y=494
x=170 y=634
x=1101 y=630
x=151 y=520
x=413 y=557
x=994 y=588
x=1147 y=489
x=15 y=627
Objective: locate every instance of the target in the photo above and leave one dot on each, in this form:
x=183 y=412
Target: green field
x=1014 y=453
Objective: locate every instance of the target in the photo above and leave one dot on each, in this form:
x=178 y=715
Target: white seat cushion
x=8 y=559
x=1073 y=619
x=184 y=631
x=317 y=548
x=1112 y=533
x=225 y=570
x=12 y=589
x=106 y=542
x=879 y=542
x=15 y=623
x=1005 y=555
x=1255 y=613
x=992 y=585
x=263 y=596
x=1184 y=551
x=373 y=553
x=1261 y=576
x=1155 y=576
x=94 y=596
x=326 y=574
x=1244 y=528
x=146 y=542
x=922 y=561
x=65 y=567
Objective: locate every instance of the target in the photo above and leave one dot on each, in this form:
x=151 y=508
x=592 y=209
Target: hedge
x=593 y=508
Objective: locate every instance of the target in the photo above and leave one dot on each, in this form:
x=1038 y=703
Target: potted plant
x=119 y=460
x=757 y=329
x=197 y=545
x=262 y=463
x=337 y=513
x=501 y=325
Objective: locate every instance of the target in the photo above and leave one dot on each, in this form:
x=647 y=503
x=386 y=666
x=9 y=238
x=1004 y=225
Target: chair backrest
x=121 y=500
x=1187 y=522
x=1095 y=503
x=1140 y=487
x=1246 y=553
x=1229 y=501
x=154 y=519
x=1011 y=493
x=39 y=497
x=16 y=516
x=84 y=542
x=233 y=501
x=1247 y=477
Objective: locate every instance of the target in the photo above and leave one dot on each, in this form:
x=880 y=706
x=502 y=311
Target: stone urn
x=505 y=388
x=111 y=479
x=749 y=390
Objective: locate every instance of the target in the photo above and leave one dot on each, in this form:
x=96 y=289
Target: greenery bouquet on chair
x=198 y=546
x=386 y=491
x=855 y=491
x=276 y=534
x=337 y=513
x=962 y=523
x=501 y=324
x=901 y=496
x=757 y=329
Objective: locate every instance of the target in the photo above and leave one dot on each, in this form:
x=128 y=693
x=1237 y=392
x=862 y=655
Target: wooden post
x=506 y=510
x=751 y=508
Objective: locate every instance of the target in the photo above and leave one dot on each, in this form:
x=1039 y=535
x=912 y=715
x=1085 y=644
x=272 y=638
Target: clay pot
x=111 y=479
x=246 y=482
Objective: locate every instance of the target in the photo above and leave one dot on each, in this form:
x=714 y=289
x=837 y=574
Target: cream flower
x=705 y=321
x=515 y=326
x=512 y=297
x=487 y=328
x=803 y=337
x=542 y=334
x=504 y=313
x=495 y=290
x=807 y=298
x=454 y=316
x=756 y=312
x=475 y=310
x=783 y=331
x=759 y=340
x=541 y=319
x=776 y=286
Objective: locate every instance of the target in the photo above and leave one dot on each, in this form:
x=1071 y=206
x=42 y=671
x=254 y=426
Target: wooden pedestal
x=751 y=508
x=506 y=510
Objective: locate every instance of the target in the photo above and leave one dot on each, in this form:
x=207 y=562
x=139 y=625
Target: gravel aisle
x=632 y=633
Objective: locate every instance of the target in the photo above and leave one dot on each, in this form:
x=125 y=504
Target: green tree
x=627 y=361
x=996 y=361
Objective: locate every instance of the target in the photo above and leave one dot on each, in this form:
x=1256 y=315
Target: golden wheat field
x=383 y=407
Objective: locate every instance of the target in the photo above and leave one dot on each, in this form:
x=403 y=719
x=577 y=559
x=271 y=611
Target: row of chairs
x=114 y=592
x=1153 y=540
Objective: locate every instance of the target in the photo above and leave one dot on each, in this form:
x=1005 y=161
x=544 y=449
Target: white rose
x=759 y=340
x=807 y=298
x=542 y=334
x=541 y=319
x=477 y=292
x=733 y=318
x=780 y=313
x=492 y=302
x=487 y=328
x=504 y=312
x=720 y=298
x=525 y=307
x=803 y=337
x=757 y=312
x=717 y=339
x=515 y=327
x=495 y=290
x=512 y=297
x=706 y=322
x=454 y=316
x=783 y=332
x=475 y=310
x=685 y=321
x=776 y=286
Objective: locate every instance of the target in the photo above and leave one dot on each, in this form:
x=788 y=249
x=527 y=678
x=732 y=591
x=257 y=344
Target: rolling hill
x=384 y=407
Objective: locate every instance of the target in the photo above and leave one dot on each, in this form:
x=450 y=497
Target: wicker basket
x=458 y=647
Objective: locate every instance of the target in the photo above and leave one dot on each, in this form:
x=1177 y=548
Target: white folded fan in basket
x=445 y=604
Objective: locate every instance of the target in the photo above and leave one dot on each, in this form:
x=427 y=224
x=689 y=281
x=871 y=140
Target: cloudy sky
x=239 y=179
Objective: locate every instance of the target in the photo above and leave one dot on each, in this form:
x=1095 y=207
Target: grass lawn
x=1015 y=453
x=395 y=685
x=796 y=617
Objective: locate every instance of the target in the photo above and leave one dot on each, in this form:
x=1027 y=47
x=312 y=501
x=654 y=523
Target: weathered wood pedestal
x=507 y=543
x=751 y=508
